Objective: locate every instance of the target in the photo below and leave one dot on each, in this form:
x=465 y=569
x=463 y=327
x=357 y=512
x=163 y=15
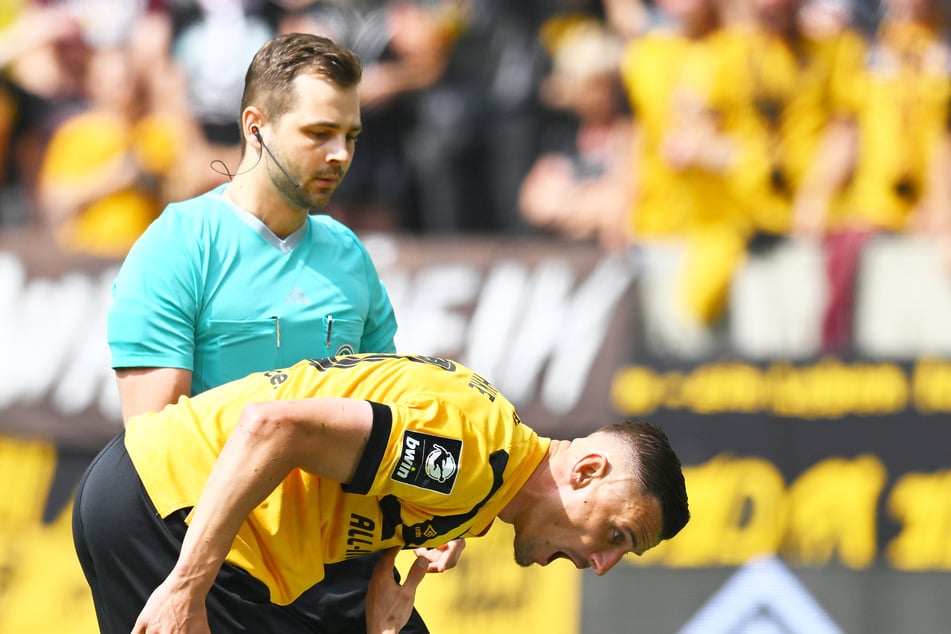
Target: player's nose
x=601 y=562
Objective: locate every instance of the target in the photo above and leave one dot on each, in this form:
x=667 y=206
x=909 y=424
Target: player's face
x=596 y=525
x=315 y=141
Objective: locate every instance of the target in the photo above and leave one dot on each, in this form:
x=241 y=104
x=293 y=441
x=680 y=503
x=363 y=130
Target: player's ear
x=588 y=468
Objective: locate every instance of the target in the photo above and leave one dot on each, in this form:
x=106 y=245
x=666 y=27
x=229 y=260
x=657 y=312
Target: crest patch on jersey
x=428 y=462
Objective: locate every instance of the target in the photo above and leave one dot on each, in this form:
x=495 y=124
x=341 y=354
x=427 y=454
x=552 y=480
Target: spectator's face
x=599 y=517
x=686 y=10
x=110 y=80
x=597 y=98
x=413 y=29
x=314 y=140
x=908 y=8
x=776 y=15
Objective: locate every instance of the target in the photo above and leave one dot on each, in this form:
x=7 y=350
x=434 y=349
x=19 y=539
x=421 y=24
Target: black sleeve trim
x=373 y=453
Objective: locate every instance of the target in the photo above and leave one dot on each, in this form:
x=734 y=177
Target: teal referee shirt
x=209 y=288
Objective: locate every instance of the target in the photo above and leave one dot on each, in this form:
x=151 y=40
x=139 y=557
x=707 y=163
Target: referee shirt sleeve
x=379 y=330
x=151 y=321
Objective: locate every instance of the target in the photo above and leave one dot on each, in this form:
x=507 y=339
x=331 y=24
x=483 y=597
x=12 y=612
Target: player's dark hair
x=267 y=83
x=658 y=469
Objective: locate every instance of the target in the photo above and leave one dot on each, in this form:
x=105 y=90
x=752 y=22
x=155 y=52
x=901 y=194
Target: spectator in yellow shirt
x=680 y=83
x=889 y=161
x=99 y=186
x=796 y=81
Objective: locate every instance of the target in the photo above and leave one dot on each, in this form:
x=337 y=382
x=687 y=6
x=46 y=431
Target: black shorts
x=126 y=550
x=337 y=605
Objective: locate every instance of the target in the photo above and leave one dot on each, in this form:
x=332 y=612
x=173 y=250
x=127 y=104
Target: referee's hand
x=390 y=604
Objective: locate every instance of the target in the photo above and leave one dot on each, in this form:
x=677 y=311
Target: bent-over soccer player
x=278 y=473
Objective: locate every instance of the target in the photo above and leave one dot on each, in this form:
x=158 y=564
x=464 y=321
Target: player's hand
x=390 y=604
x=172 y=612
x=443 y=557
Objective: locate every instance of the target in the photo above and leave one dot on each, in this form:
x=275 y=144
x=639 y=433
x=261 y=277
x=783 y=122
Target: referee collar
x=284 y=246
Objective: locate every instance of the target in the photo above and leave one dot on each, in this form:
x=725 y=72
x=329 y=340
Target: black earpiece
x=256 y=132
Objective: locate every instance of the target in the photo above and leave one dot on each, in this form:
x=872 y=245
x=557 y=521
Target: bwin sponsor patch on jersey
x=428 y=462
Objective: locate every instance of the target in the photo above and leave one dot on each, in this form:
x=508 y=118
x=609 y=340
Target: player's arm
x=150 y=389
x=323 y=436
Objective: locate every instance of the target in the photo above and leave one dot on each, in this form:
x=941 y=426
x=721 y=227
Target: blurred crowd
x=749 y=123
x=727 y=126
x=110 y=108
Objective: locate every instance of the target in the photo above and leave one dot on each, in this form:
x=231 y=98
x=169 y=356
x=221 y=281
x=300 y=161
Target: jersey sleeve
x=374 y=452
x=426 y=453
x=423 y=452
x=151 y=321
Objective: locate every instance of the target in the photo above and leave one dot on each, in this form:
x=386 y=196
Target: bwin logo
x=440 y=465
x=427 y=461
x=409 y=457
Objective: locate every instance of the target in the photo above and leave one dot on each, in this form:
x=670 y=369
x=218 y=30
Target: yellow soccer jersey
x=901 y=100
x=669 y=80
x=446 y=453
x=85 y=145
x=795 y=89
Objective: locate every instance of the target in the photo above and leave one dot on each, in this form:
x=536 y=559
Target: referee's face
x=597 y=518
x=316 y=140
